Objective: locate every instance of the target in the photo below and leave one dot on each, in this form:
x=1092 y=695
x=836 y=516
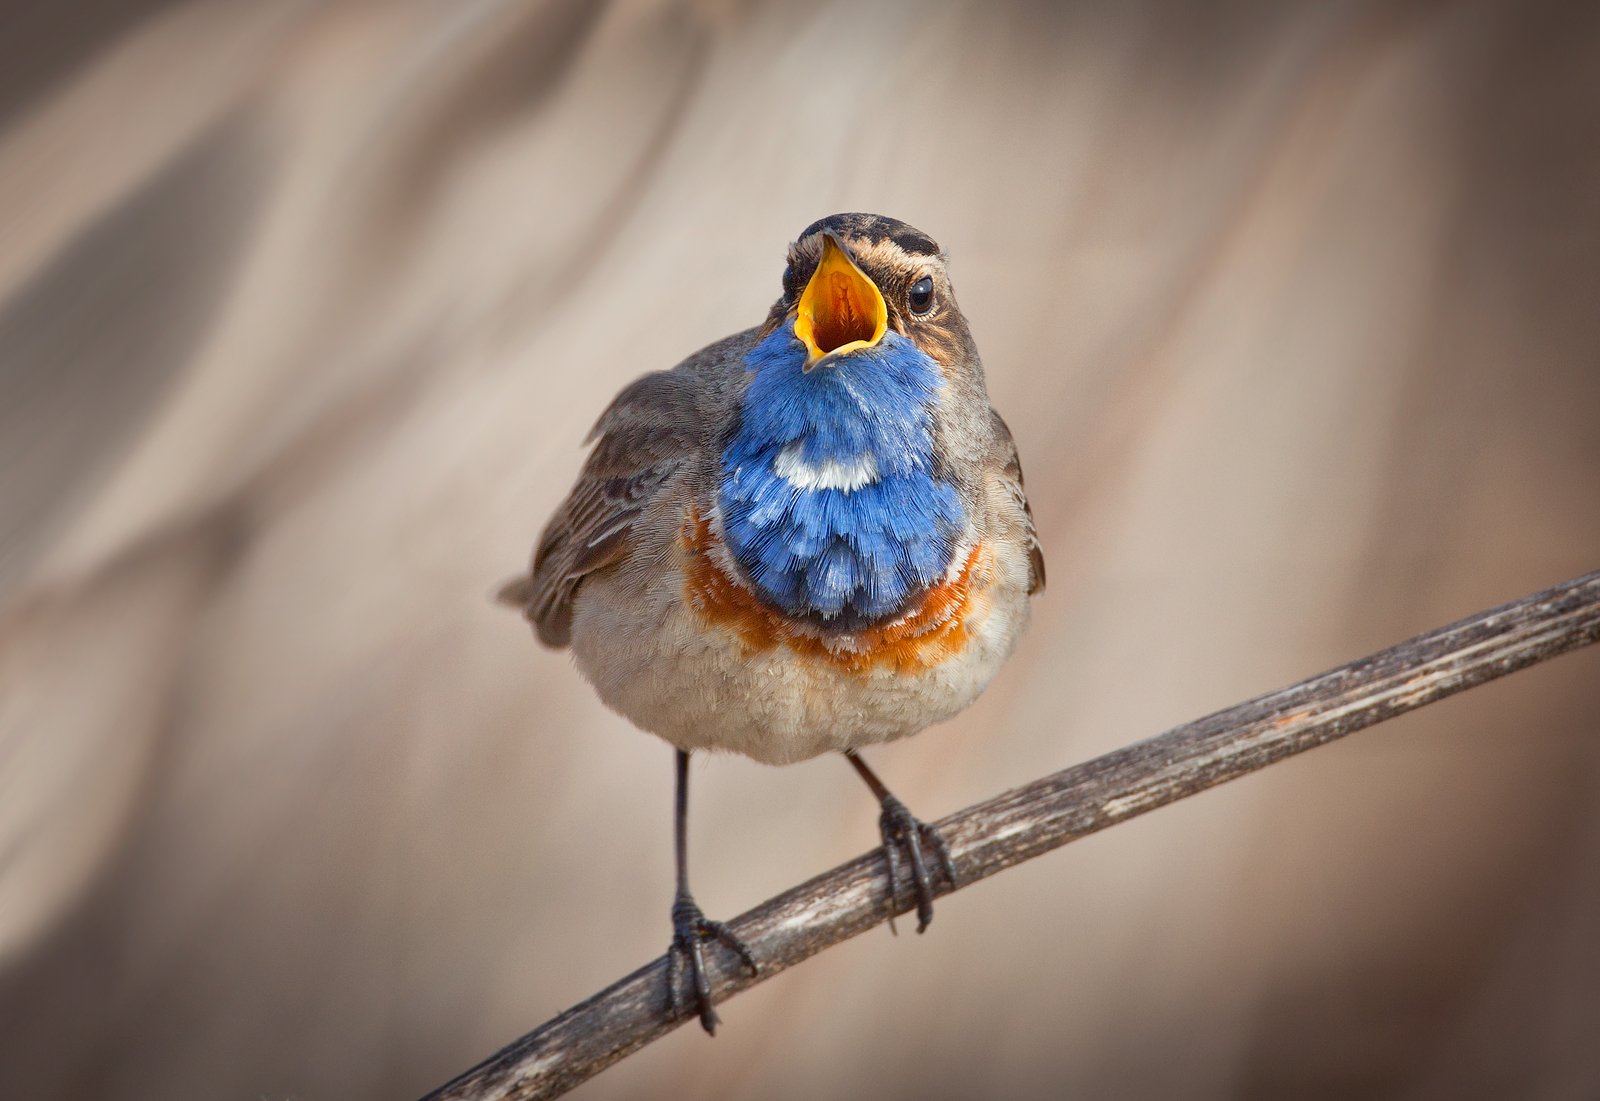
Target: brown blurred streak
x=44 y=42
x=1526 y=177
x=519 y=64
x=1468 y=1019
x=152 y=272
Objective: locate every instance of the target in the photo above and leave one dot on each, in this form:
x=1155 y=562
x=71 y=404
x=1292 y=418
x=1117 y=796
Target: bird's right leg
x=691 y=928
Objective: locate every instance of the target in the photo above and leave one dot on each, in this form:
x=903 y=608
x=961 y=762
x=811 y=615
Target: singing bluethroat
x=808 y=537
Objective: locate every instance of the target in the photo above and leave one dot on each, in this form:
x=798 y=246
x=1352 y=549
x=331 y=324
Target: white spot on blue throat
x=832 y=498
x=847 y=474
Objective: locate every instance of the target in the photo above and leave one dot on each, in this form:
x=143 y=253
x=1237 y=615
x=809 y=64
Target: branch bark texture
x=1028 y=821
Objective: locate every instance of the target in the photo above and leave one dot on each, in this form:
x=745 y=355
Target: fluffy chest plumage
x=831 y=498
x=709 y=665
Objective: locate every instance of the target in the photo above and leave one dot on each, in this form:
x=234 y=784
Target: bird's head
x=852 y=278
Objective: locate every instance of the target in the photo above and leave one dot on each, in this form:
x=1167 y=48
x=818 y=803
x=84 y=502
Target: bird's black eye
x=920 y=296
x=788 y=279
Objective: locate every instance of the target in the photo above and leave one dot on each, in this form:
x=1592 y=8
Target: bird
x=809 y=537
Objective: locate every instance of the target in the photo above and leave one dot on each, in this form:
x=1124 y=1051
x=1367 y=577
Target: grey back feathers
x=657 y=435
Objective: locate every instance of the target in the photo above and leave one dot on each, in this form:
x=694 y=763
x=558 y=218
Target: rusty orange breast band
x=934 y=631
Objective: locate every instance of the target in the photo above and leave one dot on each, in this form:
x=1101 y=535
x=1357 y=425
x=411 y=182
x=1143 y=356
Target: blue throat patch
x=830 y=501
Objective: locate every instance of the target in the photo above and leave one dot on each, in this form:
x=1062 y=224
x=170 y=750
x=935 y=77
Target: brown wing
x=649 y=433
x=1011 y=466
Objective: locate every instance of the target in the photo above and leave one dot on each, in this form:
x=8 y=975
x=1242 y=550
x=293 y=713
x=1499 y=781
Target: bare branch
x=1050 y=812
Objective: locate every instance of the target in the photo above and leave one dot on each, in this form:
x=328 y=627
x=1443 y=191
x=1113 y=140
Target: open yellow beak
x=841 y=310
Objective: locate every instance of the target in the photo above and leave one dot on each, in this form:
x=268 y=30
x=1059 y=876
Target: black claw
x=900 y=827
x=691 y=929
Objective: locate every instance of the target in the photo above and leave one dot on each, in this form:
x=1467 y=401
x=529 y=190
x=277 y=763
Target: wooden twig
x=1050 y=812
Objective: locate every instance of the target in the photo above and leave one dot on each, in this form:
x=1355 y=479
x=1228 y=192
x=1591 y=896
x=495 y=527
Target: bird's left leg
x=900 y=827
x=690 y=927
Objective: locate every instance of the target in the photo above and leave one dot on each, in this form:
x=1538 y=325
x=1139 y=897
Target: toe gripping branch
x=900 y=827
x=691 y=929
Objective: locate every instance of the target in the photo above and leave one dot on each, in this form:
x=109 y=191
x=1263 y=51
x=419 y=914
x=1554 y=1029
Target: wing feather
x=646 y=436
x=1011 y=476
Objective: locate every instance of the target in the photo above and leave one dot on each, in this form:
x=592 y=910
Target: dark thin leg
x=899 y=827
x=691 y=928
x=680 y=822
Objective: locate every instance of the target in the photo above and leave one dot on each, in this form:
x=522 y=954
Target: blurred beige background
x=305 y=307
